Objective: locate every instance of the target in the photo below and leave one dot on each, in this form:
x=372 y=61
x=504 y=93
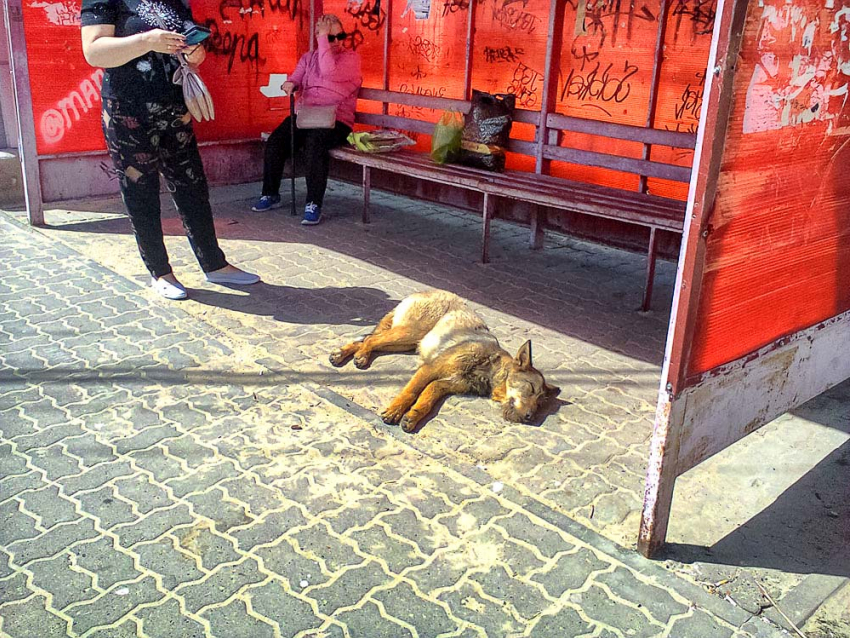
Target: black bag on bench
x=486 y=131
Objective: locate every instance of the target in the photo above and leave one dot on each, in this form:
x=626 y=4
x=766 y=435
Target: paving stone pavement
x=161 y=477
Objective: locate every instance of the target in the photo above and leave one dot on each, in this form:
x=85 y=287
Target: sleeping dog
x=459 y=356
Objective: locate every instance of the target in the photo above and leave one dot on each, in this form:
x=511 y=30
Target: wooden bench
x=633 y=207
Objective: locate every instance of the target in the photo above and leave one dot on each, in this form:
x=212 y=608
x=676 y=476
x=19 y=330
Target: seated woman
x=330 y=75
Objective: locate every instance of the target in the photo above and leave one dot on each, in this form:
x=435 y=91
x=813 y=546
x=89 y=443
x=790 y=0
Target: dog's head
x=525 y=389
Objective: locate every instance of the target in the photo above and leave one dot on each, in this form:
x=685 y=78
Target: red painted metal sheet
x=249 y=41
x=778 y=245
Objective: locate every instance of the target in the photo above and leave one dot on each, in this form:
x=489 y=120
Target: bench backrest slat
x=618 y=163
x=659 y=137
x=555 y=124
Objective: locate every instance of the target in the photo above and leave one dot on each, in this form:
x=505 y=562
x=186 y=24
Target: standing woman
x=148 y=130
x=327 y=76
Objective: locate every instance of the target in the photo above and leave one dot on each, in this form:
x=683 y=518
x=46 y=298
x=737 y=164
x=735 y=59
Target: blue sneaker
x=312 y=214
x=267 y=202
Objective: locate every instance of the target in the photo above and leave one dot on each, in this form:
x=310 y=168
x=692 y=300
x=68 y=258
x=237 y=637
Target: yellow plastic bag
x=446 y=139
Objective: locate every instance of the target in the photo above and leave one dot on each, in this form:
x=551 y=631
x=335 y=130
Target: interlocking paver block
x=153 y=525
x=570 y=571
x=224 y=512
x=225 y=581
x=368 y=621
x=146 y=495
x=65 y=584
x=167 y=621
x=469 y=605
x=293 y=615
x=14 y=588
x=210 y=548
x=95 y=477
x=269 y=529
x=173 y=566
x=292 y=565
x=17 y=525
x=52 y=541
x=233 y=621
x=426 y=616
x=113 y=605
x=102 y=558
x=31 y=619
x=335 y=553
x=348 y=588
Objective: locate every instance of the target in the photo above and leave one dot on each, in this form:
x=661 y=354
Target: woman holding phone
x=149 y=131
x=326 y=77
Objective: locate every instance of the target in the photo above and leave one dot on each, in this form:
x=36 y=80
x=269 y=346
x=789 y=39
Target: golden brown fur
x=459 y=356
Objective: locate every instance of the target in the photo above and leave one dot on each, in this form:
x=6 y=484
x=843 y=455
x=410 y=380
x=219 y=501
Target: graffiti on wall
x=55 y=122
x=802 y=72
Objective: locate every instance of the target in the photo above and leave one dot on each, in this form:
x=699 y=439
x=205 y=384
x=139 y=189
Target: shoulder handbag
x=309 y=116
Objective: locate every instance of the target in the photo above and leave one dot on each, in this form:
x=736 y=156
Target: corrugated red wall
x=605 y=69
x=778 y=250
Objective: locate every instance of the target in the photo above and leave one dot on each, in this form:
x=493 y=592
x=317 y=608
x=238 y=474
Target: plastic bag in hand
x=195 y=92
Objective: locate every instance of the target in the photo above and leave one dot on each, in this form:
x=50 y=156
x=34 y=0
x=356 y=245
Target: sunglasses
x=342 y=35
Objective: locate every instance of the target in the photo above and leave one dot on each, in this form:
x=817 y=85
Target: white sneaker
x=169 y=290
x=239 y=277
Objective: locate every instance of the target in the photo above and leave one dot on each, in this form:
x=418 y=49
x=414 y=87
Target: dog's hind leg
x=408 y=396
x=339 y=356
x=429 y=397
x=403 y=338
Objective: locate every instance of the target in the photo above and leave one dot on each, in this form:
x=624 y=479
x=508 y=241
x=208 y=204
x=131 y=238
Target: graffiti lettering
x=419 y=73
x=599 y=86
x=421 y=90
x=247 y=8
x=57 y=121
x=700 y=13
x=515 y=19
x=524 y=85
x=502 y=54
x=228 y=45
x=368 y=13
x=603 y=19
x=453 y=6
x=354 y=40
x=688 y=107
x=423 y=47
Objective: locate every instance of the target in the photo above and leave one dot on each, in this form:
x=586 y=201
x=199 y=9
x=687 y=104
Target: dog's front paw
x=337 y=358
x=392 y=415
x=409 y=422
x=361 y=362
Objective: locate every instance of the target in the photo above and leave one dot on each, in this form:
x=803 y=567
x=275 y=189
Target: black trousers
x=313 y=145
x=145 y=140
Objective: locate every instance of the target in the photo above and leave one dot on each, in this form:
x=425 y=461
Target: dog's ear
x=523 y=356
x=551 y=390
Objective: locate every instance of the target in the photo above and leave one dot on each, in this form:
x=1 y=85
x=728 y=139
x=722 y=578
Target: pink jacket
x=324 y=78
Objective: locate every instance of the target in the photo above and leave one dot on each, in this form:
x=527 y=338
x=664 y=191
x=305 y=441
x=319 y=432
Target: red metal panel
x=249 y=41
x=778 y=246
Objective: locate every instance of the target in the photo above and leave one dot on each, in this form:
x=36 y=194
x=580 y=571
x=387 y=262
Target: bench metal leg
x=367 y=183
x=485 y=237
x=650 y=270
x=537 y=235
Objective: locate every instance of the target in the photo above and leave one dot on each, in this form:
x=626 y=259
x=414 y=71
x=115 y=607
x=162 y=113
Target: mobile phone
x=196 y=34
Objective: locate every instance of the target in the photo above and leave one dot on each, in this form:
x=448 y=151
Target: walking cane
x=292 y=152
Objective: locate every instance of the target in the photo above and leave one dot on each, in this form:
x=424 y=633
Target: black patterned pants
x=143 y=141
x=314 y=146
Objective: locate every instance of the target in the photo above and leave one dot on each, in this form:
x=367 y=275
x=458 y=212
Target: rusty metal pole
x=662 y=468
x=27 y=149
x=470 y=36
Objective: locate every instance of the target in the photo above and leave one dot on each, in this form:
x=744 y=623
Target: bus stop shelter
x=760 y=317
